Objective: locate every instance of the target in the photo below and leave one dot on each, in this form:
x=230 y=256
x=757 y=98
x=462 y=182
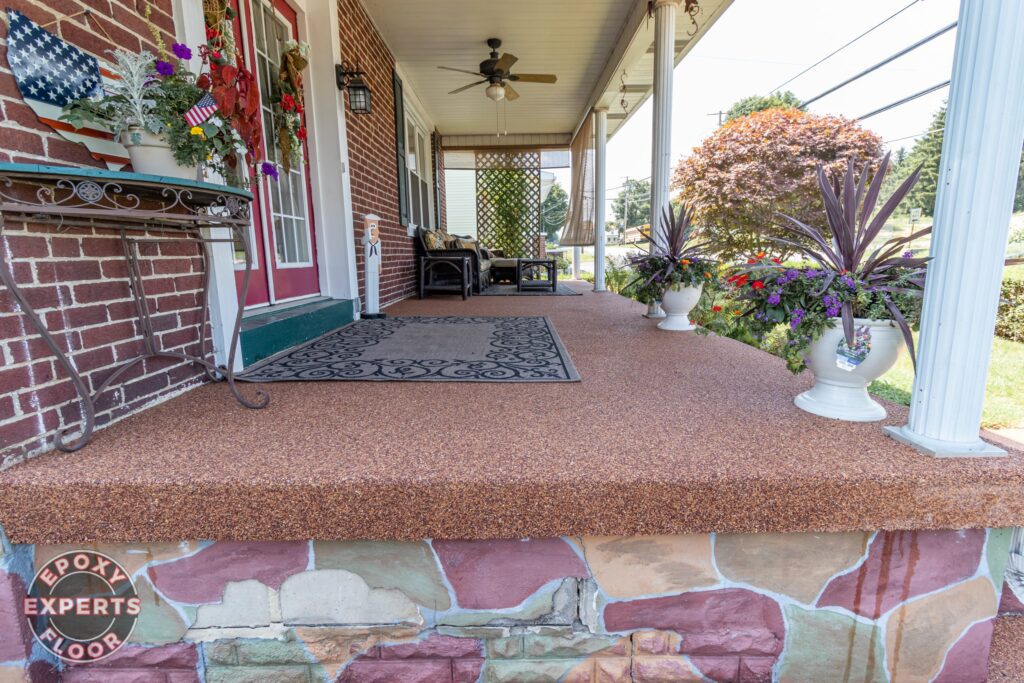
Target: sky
x=759 y=44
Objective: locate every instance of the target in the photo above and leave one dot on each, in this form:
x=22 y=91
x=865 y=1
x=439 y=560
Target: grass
x=1004 y=400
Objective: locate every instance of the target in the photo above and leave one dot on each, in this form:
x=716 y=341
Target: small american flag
x=203 y=109
x=50 y=73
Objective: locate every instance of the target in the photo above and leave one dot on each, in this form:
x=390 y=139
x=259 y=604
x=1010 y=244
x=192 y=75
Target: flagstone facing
x=903 y=564
x=632 y=566
x=919 y=633
x=797 y=565
x=729 y=609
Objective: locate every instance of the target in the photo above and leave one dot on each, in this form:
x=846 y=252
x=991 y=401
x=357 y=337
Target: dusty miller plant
x=129 y=101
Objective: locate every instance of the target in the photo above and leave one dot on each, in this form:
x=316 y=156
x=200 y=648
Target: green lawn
x=1004 y=399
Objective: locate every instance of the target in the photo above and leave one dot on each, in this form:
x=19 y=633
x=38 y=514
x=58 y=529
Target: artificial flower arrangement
x=674 y=259
x=289 y=110
x=210 y=120
x=844 y=281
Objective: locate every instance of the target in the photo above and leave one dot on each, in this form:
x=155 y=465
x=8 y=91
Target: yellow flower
x=196 y=130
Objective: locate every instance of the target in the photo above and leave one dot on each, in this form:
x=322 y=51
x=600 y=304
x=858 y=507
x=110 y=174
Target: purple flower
x=832 y=305
x=798 y=316
x=164 y=68
x=775 y=297
x=811 y=274
x=269 y=169
x=181 y=51
x=848 y=281
x=908 y=254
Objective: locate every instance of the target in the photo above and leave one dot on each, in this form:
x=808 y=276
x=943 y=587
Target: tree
x=553 y=211
x=637 y=195
x=755 y=103
x=753 y=168
x=927 y=152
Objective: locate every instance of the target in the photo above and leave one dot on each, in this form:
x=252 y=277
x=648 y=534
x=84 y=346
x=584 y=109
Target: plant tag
x=849 y=357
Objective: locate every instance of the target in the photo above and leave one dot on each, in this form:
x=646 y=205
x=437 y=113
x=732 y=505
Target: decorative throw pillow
x=433 y=240
x=468 y=244
x=451 y=242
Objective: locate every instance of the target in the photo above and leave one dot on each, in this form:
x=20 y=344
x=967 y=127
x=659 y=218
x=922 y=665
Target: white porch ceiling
x=586 y=43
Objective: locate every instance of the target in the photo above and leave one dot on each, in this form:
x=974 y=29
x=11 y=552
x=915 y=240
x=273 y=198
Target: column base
x=938 y=448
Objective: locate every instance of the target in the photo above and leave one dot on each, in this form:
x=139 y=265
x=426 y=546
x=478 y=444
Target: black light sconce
x=351 y=78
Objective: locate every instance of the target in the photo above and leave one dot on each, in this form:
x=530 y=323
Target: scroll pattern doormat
x=427 y=349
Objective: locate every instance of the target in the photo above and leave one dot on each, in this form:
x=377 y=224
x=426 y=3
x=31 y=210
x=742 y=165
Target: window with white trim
x=418 y=165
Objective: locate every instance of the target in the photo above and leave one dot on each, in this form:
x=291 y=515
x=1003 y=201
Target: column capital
x=663 y=3
x=603 y=110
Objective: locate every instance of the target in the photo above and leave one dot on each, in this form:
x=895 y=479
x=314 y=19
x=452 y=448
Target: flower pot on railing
x=677 y=302
x=842 y=376
x=152 y=155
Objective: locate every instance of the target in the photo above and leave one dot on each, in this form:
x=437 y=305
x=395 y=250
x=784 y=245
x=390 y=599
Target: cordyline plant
x=849 y=206
x=673 y=258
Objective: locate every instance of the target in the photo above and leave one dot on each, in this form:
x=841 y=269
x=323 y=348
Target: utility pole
x=720 y=115
x=625 y=211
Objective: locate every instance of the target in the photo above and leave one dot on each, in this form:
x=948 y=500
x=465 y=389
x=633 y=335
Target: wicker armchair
x=481 y=267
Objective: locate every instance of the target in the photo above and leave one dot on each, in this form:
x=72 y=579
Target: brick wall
x=77 y=280
x=371 y=148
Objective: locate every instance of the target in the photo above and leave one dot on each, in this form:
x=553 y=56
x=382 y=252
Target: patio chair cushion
x=504 y=262
x=485 y=265
x=433 y=239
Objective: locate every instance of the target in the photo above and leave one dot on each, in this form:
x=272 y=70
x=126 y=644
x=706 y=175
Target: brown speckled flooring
x=1006 y=658
x=667 y=432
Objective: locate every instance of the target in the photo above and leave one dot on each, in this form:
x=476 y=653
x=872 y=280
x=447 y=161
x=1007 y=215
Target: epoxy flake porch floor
x=666 y=432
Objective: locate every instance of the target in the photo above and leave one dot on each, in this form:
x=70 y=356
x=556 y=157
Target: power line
x=882 y=63
x=910 y=98
x=837 y=51
x=916 y=135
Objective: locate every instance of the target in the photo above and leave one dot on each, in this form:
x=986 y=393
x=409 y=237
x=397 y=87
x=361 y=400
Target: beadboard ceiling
x=574 y=39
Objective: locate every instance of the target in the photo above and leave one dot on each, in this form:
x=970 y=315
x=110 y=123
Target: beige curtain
x=579 y=220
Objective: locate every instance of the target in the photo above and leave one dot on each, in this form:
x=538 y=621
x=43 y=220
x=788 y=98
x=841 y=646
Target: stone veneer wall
x=907 y=606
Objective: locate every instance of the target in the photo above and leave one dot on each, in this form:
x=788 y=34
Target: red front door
x=283 y=237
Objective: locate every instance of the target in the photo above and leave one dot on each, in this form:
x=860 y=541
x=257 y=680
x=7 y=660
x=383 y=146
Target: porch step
x=269 y=331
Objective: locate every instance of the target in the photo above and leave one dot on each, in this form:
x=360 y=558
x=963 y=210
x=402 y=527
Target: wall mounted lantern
x=351 y=78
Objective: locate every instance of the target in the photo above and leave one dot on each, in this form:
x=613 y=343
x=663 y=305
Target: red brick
x=178 y=248
x=34 y=348
x=22 y=141
x=99 y=246
x=101 y=291
x=52 y=395
x=172 y=266
x=76 y=316
x=39 y=298
x=28 y=428
x=65 y=271
x=65 y=247
x=171 y=340
x=108 y=334
x=26 y=246
x=75 y=152
x=6 y=407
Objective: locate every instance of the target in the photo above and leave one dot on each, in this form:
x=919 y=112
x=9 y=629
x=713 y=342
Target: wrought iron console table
x=166 y=210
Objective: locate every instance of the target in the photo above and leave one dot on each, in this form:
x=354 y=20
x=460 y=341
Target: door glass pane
x=414 y=199
x=287 y=195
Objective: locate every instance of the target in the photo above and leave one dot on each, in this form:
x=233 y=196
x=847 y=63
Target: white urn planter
x=677 y=302
x=150 y=154
x=843 y=394
x=654 y=310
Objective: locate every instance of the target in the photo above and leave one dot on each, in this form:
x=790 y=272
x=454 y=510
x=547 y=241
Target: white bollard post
x=372 y=265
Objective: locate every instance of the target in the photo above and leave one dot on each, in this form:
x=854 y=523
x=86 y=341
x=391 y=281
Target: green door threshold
x=272 y=330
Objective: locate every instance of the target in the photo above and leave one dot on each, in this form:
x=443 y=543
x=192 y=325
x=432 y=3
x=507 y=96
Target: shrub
x=1010 y=322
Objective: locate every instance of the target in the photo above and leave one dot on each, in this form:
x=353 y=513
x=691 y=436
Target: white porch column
x=978 y=174
x=661 y=137
x=600 y=155
x=577 y=256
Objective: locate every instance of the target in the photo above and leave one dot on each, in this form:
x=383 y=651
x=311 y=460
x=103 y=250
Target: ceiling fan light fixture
x=496 y=91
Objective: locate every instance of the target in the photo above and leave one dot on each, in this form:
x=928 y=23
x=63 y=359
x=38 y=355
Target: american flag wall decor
x=51 y=73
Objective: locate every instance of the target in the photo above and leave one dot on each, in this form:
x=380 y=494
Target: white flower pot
x=677 y=302
x=150 y=154
x=843 y=394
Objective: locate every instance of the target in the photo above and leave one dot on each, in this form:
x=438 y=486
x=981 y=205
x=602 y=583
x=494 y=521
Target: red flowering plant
x=846 y=278
x=674 y=259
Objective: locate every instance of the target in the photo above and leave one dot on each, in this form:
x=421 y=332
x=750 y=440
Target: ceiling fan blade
x=466 y=87
x=461 y=71
x=534 y=78
x=510 y=92
x=505 y=62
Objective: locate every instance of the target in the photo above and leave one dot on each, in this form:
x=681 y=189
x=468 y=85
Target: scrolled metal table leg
x=88 y=423
x=262 y=397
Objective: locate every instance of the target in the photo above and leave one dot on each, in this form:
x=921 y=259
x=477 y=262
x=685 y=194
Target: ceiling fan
x=495 y=72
